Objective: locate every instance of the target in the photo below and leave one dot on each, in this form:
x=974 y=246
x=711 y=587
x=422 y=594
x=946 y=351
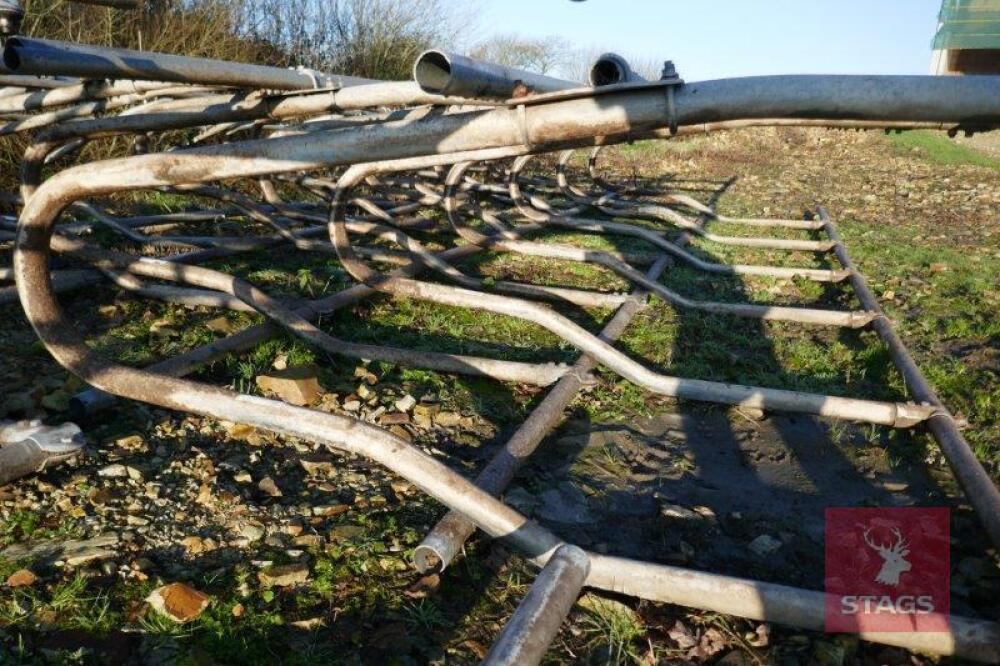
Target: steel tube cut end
x=432 y=71
x=610 y=69
x=443 y=73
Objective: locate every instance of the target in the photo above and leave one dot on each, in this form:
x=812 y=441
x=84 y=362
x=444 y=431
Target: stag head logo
x=893 y=554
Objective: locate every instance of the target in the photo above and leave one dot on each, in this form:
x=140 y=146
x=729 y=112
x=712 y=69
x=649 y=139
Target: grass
x=950 y=317
x=939 y=149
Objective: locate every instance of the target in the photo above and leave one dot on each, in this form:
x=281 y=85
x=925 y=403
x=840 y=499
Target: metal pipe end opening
x=432 y=72
x=11 y=58
x=609 y=69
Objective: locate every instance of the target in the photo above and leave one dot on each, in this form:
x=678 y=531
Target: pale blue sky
x=721 y=38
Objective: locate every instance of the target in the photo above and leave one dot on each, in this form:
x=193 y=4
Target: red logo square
x=887 y=569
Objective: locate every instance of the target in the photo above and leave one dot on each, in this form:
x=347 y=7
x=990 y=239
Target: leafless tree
x=579 y=62
x=541 y=54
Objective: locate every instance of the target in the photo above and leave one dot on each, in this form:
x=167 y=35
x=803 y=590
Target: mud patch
x=736 y=496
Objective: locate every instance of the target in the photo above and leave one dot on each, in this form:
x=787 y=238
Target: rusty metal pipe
x=970 y=638
x=527 y=635
x=896 y=414
x=975 y=481
x=445 y=540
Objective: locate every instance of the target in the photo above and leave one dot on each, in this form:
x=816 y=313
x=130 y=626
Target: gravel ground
x=304 y=554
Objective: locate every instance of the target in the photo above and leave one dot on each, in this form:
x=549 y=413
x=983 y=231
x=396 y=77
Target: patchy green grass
x=944 y=300
x=937 y=148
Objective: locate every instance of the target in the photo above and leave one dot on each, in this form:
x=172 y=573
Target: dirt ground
x=160 y=497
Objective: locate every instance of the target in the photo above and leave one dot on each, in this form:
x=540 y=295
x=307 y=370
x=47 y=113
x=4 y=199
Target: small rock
x=162 y=329
x=220 y=325
x=296 y=386
x=447 y=419
x=132 y=442
x=363 y=392
x=682 y=636
x=22 y=578
x=677 y=511
x=764 y=545
x=204 y=495
x=342 y=532
x=330 y=510
x=311 y=624
x=406 y=403
x=352 y=405
x=100 y=496
x=242 y=477
x=284 y=576
x=118 y=471
x=605 y=607
x=195 y=545
x=178 y=602
x=705 y=512
x=269 y=487
x=251 y=532
x=423 y=587
x=317 y=466
x=895 y=486
x=308 y=541
x=394 y=418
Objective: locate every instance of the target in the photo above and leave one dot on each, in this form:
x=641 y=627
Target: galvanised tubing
x=752 y=311
x=969 y=638
x=649 y=211
x=569 y=253
x=579 y=297
x=92 y=400
x=777 y=603
x=895 y=414
x=387 y=232
x=566 y=122
x=577 y=120
x=260 y=301
x=178 y=295
x=978 y=487
x=615 y=116
x=82 y=92
x=446 y=539
x=24 y=55
x=534 y=625
x=543 y=212
x=87 y=109
x=656 y=239
x=580 y=196
x=444 y=73
x=36 y=81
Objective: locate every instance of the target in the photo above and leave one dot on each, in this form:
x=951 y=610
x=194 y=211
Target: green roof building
x=968 y=38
